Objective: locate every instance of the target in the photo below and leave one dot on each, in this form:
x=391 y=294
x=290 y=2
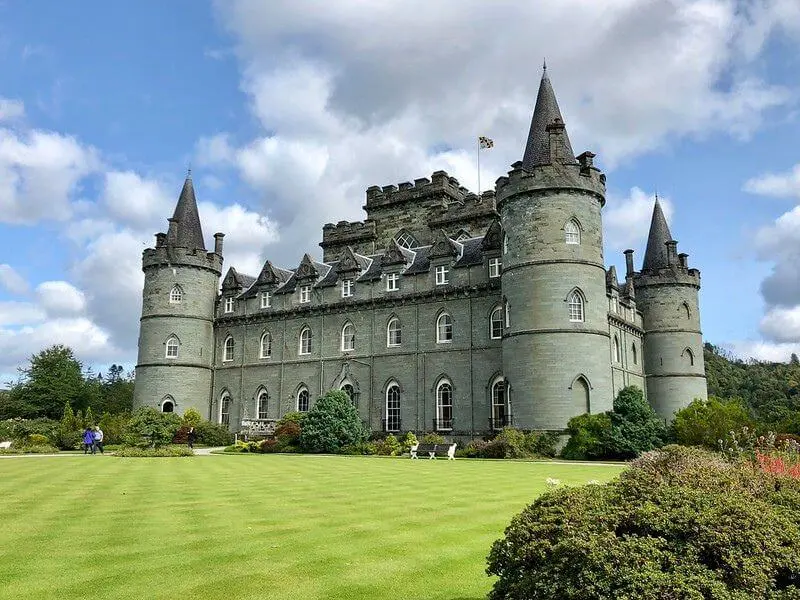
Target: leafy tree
x=52 y=378
x=151 y=428
x=635 y=426
x=588 y=435
x=68 y=434
x=706 y=422
x=331 y=424
x=192 y=418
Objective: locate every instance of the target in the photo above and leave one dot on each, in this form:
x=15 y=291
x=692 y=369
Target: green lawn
x=247 y=527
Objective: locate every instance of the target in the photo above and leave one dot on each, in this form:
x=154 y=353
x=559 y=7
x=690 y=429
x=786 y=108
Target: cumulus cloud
x=135 y=200
x=627 y=220
x=779 y=185
x=12 y=281
x=60 y=298
x=11 y=109
x=763 y=351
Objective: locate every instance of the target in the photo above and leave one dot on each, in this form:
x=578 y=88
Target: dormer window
x=442 y=275
x=305 y=294
x=392 y=282
x=494 y=267
x=266 y=300
x=229 y=303
x=347 y=288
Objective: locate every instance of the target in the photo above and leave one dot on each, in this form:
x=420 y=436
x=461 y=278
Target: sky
x=286 y=111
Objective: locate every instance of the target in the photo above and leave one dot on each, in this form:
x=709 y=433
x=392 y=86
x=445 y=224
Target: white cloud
x=11 y=109
x=12 y=281
x=782 y=324
x=134 y=200
x=60 y=298
x=764 y=351
x=20 y=313
x=626 y=221
x=780 y=185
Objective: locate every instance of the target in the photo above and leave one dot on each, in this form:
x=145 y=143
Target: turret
x=667 y=295
x=556 y=358
x=176 y=339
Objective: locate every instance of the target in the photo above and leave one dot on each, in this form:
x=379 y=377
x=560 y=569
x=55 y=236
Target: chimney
x=683 y=260
x=218 y=243
x=555 y=134
x=172 y=232
x=161 y=240
x=628 y=262
x=672 y=253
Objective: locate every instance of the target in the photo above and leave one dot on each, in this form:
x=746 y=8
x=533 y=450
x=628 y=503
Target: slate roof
x=537 y=149
x=472 y=254
x=655 y=255
x=189 y=232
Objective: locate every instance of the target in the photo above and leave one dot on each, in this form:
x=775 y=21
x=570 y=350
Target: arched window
x=405 y=239
x=348 y=337
x=444 y=329
x=444 y=406
x=617 y=357
x=168 y=404
x=507 y=308
x=505 y=243
x=634 y=354
x=689 y=355
x=176 y=295
x=394 y=333
x=227 y=355
x=305 y=341
x=572 y=232
x=266 y=345
x=225 y=410
x=393 y=407
x=576 y=307
x=263 y=398
x=499 y=404
x=302 y=399
x=496 y=324
x=580 y=395
x=348 y=389
x=685 y=309
x=172 y=347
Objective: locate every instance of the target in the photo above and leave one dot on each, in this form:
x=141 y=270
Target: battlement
x=168 y=256
x=473 y=207
x=440 y=184
x=582 y=175
x=360 y=235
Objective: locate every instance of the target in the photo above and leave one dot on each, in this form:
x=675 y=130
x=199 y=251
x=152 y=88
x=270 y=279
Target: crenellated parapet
x=165 y=256
x=359 y=235
x=475 y=213
x=441 y=185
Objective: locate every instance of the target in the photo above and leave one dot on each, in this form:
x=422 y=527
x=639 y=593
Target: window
x=576 y=307
x=508 y=314
x=266 y=345
x=348 y=337
x=176 y=295
x=494 y=267
x=305 y=294
x=348 y=389
x=347 y=288
x=444 y=329
x=392 y=282
x=172 y=347
x=496 y=324
x=168 y=404
x=442 y=275
x=617 y=357
x=393 y=407
x=305 y=341
x=505 y=244
x=499 y=419
x=262 y=405
x=686 y=310
x=444 y=406
x=614 y=304
x=689 y=357
x=572 y=233
x=227 y=354
x=394 y=332
x=405 y=239
x=302 y=400
x=225 y=410
x=229 y=304
x=266 y=300
x=633 y=354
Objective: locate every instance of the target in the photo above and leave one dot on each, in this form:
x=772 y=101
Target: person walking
x=88 y=440
x=97 y=434
x=191 y=437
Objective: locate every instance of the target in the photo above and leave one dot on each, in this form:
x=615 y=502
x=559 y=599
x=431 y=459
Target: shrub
x=680 y=523
x=69 y=433
x=364 y=448
x=191 y=418
x=212 y=434
x=114 y=427
x=408 y=440
x=389 y=446
x=587 y=437
x=37 y=439
x=432 y=438
x=332 y=423
x=635 y=426
x=291 y=417
x=288 y=433
x=244 y=447
x=706 y=422
x=269 y=446
x=161 y=451
x=541 y=443
x=151 y=428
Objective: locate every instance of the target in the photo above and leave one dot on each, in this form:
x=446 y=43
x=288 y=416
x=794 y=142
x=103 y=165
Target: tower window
x=617 y=357
x=348 y=337
x=505 y=243
x=305 y=294
x=172 y=347
x=392 y=282
x=494 y=267
x=499 y=419
x=444 y=406
x=393 y=407
x=263 y=400
x=496 y=324
x=689 y=357
x=393 y=333
x=442 y=275
x=572 y=233
x=634 y=354
x=266 y=300
x=176 y=295
x=444 y=329
x=576 y=307
x=168 y=404
x=302 y=400
x=305 y=341
x=227 y=354
x=266 y=345
x=229 y=303
x=347 y=288
x=225 y=410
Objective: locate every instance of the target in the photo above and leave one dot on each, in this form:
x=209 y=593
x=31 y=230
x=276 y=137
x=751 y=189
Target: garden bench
x=5 y=445
x=434 y=450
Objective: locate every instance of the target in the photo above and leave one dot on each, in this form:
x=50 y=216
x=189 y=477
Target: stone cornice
x=538 y=331
x=618 y=321
x=554 y=261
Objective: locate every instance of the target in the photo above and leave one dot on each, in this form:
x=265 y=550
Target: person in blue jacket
x=88 y=440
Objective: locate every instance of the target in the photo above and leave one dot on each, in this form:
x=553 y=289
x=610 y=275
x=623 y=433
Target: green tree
x=706 y=422
x=149 y=427
x=192 y=418
x=52 y=378
x=68 y=433
x=588 y=435
x=331 y=424
x=635 y=426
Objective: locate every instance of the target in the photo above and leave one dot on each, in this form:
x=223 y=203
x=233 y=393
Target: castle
x=443 y=311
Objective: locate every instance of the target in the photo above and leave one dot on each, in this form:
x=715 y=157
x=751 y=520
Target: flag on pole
x=485 y=142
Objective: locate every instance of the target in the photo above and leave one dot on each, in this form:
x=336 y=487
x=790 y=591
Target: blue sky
x=287 y=111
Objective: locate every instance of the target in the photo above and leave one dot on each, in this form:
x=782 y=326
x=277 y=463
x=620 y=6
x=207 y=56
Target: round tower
x=176 y=334
x=556 y=350
x=667 y=293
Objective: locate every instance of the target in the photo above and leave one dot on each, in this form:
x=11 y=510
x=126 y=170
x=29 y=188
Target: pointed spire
x=189 y=232
x=537 y=150
x=655 y=256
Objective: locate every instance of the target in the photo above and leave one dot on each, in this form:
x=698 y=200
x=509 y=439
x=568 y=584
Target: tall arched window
x=444 y=329
x=348 y=389
x=393 y=407
x=617 y=357
x=689 y=356
x=227 y=354
x=263 y=399
x=572 y=233
x=302 y=399
x=580 y=395
x=225 y=410
x=444 y=406
x=176 y=295
x=499 y=404
x=394 y=332
x=348 y=337
x=576 y=307
x=634 y=354
x=496 y=324
x=172 y=347
x=266 y=345
x=305 y=341
x=168 y=404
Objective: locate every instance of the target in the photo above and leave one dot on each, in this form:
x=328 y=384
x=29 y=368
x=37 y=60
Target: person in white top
x=98 y=439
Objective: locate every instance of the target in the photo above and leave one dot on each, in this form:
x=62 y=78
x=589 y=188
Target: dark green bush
x=151 y=428
x=432 y=438
x=407 y=441
x=212 y=434
x=364 y=448
x=332 y=423
x=389 y=446
x=587 y=437
x=680 y=523
x=706 y=422
x=242 y=447
x=168 y=451
x=114 y=427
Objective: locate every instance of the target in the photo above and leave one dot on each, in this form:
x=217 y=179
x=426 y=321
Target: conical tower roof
x=189 y=232
x=537 y=150
x=655 y=256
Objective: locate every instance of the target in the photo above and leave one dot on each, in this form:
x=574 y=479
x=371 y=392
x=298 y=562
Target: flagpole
x=478 y=155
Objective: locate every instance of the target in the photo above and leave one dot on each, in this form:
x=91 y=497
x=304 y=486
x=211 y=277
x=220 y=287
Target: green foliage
x=114 y=427
x=69 y=433
x=408 y=440
x=706 y=422
x=169 y=451
x=212 y=434
x=151 y=428
x=389 y=446
x=680 y=523
x=245 y=447
x=332 y=423
x=291 y=417
x=432 y=438
x=364 y=448
x=37 y=439
x=30 y=449
x=587 y=437
x=512 y=443
x=541 y=443
x=191 y=418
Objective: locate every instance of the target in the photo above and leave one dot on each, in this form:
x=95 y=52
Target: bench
x=434 y=450
x=5 y=445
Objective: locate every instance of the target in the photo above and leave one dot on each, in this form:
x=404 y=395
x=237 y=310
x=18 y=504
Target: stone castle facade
x=442 y=311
